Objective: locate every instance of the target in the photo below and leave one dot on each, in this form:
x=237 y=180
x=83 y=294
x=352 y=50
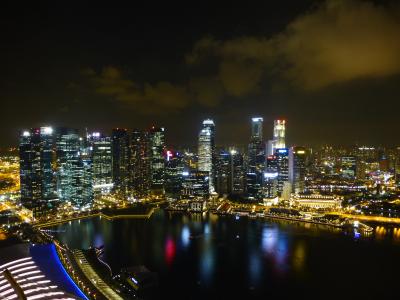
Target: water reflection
x=269 y=239
x=267 y=257
x=185 y=236
x=275 y=246
x=170 y=250
x=255 y=266
x=207 y=263
x=299 y=256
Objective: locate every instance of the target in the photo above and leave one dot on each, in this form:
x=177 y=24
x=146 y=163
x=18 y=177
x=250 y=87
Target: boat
x=137 y=280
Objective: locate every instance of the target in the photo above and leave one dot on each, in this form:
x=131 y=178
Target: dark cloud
x=208 y=92
x=162 y=97
x=339 y=41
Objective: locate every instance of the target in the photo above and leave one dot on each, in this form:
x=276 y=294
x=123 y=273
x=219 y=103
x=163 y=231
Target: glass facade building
x=157 y=165
x=120 y=159
x=206 y=151
x=37 y=180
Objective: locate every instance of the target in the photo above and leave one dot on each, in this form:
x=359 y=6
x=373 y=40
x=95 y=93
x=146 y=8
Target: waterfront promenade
x=97 y=214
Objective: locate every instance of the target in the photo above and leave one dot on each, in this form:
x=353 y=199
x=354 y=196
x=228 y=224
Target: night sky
x=330 y=68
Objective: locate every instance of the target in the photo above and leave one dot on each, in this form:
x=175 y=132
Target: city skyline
x=103 y=69
x=200 y=150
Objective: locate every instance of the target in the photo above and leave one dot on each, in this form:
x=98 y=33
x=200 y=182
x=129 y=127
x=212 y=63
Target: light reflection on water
x=205 y=254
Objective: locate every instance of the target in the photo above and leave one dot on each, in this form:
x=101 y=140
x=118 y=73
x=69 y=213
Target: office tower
x=157 y=165
x=74 y=169
x=282 y=162
x=86 y=179
x=140 y=172
x=270 y=147
x=101 y=154
x=47 y=160
x=257 y=128
x=256 y=146
x=173 y=174
x=297 y=169
x=37 y=180
x=196 y=184
x=278 y=141
x=236 y=180
x=206 y=151
x=270 y=184
x=256 y=159
x=120 y=159
x=222 y=172
x=279 y=134
x=348 y=167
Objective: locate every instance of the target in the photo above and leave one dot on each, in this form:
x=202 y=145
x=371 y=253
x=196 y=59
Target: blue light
x=134 y=280
x=57 y=260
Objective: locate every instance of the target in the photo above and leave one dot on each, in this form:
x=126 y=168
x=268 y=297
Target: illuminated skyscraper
x=36 y=169
x=348 y=167
x=270 y=184
x=206 y=151
x=278 y=141
x=282 y=162
x=173 y=174
x=196 y=184
x=157 y=165
x=279 y=134
x=256 y=159
x=74 y=168
x=230 y=173
x=257 y=128
x=222 y=172
x=297 y=169
x=121 y=158
x=236 y=183
x=100 y=147
x=140 y=164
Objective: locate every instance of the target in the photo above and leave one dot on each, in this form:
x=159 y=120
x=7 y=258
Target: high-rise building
x=196 y=184
x=278 y=141
x=74 y=168
x=270 y=184
x=140 y=164
x=236 y=182
x=121 y=159
x=257 y=128
x=157 y=165
x=37 y=179
x=223 y=172
x=173 y=174
x=206 y=151
x=282 y=162
x=100 y=147
x=348 y=167
x=256 y=146
x=297 y=169
x=256 y=159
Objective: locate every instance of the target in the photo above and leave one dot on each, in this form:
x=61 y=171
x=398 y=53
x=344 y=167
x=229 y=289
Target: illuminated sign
x=257 y=119
x=169 y=154
x=271 y=175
